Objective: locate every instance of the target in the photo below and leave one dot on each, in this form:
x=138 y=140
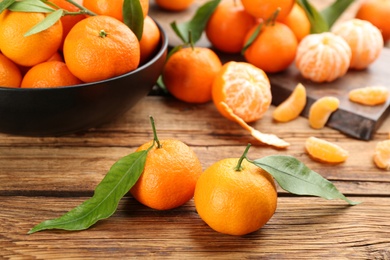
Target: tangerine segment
x=244 y=88
x=268 y=139
x=325 y=151
x=321 y=110
x=382 y=155
x=370 y=96
x=292 y=106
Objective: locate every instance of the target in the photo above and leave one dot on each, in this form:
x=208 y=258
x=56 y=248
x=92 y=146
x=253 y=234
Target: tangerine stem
x=243 y=156
x=155 y=138
x=83 y=10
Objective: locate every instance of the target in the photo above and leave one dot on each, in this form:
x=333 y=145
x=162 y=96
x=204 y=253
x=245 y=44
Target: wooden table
x=43 y=177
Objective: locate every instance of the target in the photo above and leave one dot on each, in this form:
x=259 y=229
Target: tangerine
x=113 y=8
x=265 y=9
x=150 y=39
x=298 y=22
x=49 y=74
x=10 y=75
x=274 y=49
x=235 y=201
x=323 y=57
x=365 y=40
x=377 y=12
x=175 y=6
x=325 y=151
x=27 y=50
x=169 y=177
x=190 y=72
x=101 y=47
x=228 y=25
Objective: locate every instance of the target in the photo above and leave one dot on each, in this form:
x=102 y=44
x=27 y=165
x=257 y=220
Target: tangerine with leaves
x=235 y=197
x=190 y=72
x=382 y=155
x=10 y=75
x=365 y=40
x=265 y=9
x=321 y=110
x=169 y=176
x=274 y=48
x=49 y=74
x=175 y=6
x=292 y=107
x=27 y=50
x=150 y=39
x=113 y=8
x=101 y=47
x=323 y=57
x=325 y=151
x=298 y=22
x=376 y=12
x=369 y=96
x=228 y=25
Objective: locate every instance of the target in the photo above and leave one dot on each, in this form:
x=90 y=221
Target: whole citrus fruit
x=101 y=47
x=10 y=75
x=169 y=177
x=49 y=74
x=27 y=50
x=228 y=25
x=235 y=201
x=298 y=22
x=264 y=9
x=150 y=39
x=377 y=12
x=113 y=8
x=189 y=74
x=244 y=88
x=274 y=49
x=177 y=5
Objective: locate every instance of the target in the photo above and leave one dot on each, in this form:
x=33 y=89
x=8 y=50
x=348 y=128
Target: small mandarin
x=10 y=75
x=235 y=201
x=150 y=39
x=113 y=8
x=365 y=40
x=323 y=57
x=325 y=151
x=175 y=6
x=321 y=110
x=298 y=22
x=264 y=9
x=292 y=107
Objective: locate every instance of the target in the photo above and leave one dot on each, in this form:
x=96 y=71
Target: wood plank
x=301 y=227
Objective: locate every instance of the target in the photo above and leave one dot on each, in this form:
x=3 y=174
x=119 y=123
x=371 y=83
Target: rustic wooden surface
x=42 y=178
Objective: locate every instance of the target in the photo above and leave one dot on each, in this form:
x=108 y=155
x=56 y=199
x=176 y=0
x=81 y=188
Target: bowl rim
x=163 y=47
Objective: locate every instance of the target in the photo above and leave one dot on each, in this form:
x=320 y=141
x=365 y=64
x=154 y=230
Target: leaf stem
x=155 y=138
x=243 y=156
x=83 y=10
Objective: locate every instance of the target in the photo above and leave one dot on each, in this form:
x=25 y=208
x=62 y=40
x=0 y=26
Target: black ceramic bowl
x=64 y=110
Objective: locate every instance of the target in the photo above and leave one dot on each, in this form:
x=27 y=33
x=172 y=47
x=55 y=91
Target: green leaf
x=46 y=23
x=252 y=38
x=5 y=4
x=197 y=24
x=30 y=6
x=133 y=16
x=334 y=11
x=317 y=21
x=295 y=177
x=117 y=182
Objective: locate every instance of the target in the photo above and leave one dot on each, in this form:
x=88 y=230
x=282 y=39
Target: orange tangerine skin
x=244 y=88
x=264 y=9
x=325 y=151
x=175 y=6
x=365 y=40
x=382 y=155
x=10 y=75
x=228 y=25
x=321 y=110
x=370 y=96
x=323 y=57
x=298 y=22
x=292 y=107
x=274 y=49
x=150 y=39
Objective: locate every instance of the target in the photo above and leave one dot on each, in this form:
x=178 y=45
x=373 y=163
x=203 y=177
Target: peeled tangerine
x=365 y=40
x=321 y=110
x=323 y=57
x=292 y=106
x=325 y=151
x=370 y=96
x=382 y=155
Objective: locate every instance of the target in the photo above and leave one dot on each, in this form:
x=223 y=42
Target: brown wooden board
x=352 y=119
